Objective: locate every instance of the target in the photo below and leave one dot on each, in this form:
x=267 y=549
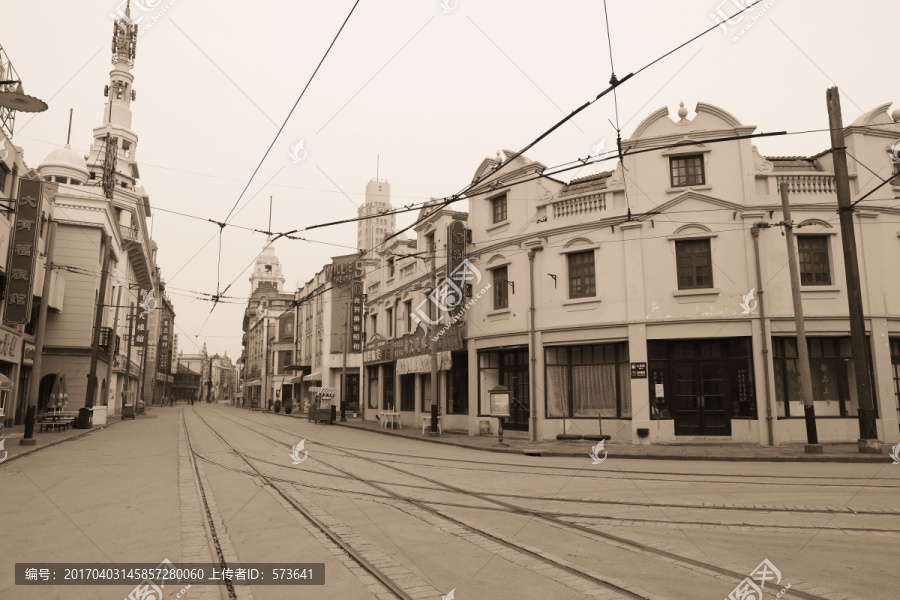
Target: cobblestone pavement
x=392 y=517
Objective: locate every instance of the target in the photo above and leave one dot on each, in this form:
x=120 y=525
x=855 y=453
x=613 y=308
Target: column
x=637 y=331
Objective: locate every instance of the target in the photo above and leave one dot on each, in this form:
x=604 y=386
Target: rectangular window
x=372 y=376
x=501 y=288
x=687 y=170
x=389 y=317
x=391 y=266
x=582 y=281
x=408 y=392
x=832 y=370
x=458 y=385
x=498 y=208
x=815 y=268
x=407 y=306
x=587 y=381
x=693 y=260
x=426 y=392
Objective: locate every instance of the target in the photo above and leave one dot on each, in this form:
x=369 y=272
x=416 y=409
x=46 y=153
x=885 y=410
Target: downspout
x=531 y=345
x=770 y=412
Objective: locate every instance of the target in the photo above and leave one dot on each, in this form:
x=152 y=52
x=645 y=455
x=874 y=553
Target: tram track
x=555 y=521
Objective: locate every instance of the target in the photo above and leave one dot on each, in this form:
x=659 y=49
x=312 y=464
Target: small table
x=394 y=417
x=426 y=422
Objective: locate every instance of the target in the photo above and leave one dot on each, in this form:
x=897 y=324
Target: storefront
x=507 y=367
x=702 y=384
x=12 y=399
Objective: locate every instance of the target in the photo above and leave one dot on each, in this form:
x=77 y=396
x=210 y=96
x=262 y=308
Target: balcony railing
x=130 y=234
x=576 y=207
x=807 y=184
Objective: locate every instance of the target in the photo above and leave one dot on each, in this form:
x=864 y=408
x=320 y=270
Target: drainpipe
x=532 y=350
x=770 y=410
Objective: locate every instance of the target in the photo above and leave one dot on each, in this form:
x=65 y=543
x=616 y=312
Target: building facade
x=628 y=302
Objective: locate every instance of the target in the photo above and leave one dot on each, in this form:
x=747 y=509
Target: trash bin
x=84 y=420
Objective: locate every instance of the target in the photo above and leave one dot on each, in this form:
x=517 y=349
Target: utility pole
x=344 y=369
x=131 y=319
x=532 y=349
x=35 y=383
x=812 y=438
x=868 y=436
x=432 y=329
x=84 y=418
x=112 y=341
x=264 y=392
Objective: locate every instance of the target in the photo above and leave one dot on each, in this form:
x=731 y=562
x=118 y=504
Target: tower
x=378 y=200
x=267 y=272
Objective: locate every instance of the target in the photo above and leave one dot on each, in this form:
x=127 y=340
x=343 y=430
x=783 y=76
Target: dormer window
x=268 y=269
x=687 y=170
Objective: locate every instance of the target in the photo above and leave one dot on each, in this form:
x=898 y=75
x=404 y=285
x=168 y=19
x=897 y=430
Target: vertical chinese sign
x=456 y=254
x=356 y=312
x=23 y=252
x=165 y=356
x=139 y=339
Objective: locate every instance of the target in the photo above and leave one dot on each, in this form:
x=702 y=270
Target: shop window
x=458 y=385
x=408 y=392
x=687 y=170
x=694 y=264
x=833 y=377
x=501 y=288
x=372 y=377
x=587 y=381
x=426 y=392
x=815 y=268
x=498 y=208
x=582 y=278
x=390 y=379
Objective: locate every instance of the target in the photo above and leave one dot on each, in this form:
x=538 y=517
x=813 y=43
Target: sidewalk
x=691 y=450
x=47 y=439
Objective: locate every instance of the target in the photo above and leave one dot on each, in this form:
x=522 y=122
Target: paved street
x=397 y=518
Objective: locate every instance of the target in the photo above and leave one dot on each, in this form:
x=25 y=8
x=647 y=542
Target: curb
x=38 y=448
x=818 y=458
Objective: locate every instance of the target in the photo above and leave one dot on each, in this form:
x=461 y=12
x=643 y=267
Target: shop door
x=700 y=403
x=514 y=375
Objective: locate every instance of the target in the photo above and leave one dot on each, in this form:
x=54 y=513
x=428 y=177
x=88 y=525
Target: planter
x=288 y=408
x=278 y=406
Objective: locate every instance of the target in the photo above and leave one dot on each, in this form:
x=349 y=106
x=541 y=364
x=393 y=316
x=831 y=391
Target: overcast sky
x=432 y=92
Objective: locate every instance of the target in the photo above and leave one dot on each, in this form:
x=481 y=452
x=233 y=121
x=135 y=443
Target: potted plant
x=278 y=406
x=288 y=406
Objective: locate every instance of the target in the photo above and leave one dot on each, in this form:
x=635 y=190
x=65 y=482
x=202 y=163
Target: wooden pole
x=812 y=438
x=867 y=430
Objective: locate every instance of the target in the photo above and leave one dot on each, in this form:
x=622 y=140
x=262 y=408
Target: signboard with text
x=414 y=344
x=139 y=339
x=165 y=355
x=23 y=251
x=356 y=316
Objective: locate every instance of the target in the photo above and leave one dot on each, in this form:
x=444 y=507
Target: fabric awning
x=254 y=382
x=323 y=391
x=422 y=363
x=313 y=377
x=297 y=379
x=5 y=382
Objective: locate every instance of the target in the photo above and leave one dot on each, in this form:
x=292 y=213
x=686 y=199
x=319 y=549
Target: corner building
x=642 y=290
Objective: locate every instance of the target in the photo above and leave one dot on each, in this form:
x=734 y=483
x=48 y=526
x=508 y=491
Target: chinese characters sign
x=356 y=314
x=139 y=337
x=23 y=252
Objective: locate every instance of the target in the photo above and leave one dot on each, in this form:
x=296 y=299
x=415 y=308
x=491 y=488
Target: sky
x=421 y=90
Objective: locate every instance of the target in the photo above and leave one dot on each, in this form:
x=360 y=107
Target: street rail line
x=671 y=556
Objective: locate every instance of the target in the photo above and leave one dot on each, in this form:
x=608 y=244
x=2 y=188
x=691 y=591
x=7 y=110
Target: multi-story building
x=326 y=334
x=371 y=229
x=222 y=377
x=399 y=310
x=267 y=303
x=628 y=302
x=102 y=213
x=160 y=323
x=191 y=376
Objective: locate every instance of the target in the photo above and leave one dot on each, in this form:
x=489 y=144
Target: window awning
x=422 y=364
x=313 y=377
x=323 y=391
x=297 y=379
x=254 y=382
x=5 y=382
